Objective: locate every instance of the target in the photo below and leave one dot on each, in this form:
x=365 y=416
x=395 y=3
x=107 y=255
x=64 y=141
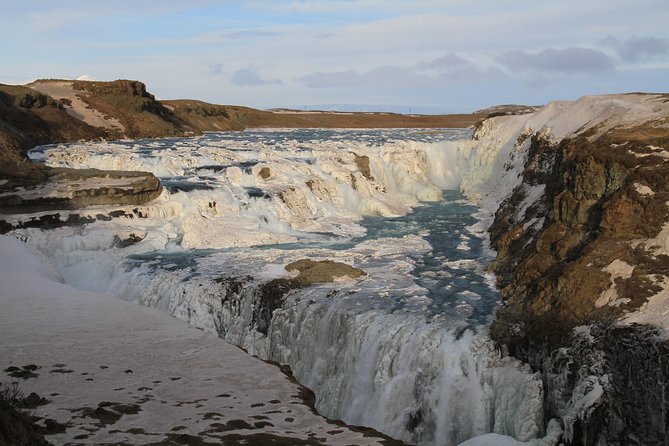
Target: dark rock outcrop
x=311 y=272
x=77 y=188
x=138 y=111
x=604 y=193
x=16 y=427
x=594 y=207
x=28 y=119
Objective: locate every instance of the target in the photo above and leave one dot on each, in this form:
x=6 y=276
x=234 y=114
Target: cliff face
x=29 y=118
x=582 y=252
x=578 y=254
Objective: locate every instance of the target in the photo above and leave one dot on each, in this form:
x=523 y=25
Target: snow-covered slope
x=115 y=372
x=499 y=152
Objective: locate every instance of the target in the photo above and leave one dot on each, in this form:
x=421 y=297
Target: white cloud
x=565 y=61
x=447 y=68
x=247 y=77
x=635 y=49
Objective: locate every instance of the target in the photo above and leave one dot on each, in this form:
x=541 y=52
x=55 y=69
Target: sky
x=418 y=56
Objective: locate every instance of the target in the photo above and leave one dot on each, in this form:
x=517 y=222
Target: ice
x=387 y=350
x=617 y=269
x=553 y=434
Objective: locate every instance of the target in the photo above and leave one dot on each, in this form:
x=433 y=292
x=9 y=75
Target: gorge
x=573 y=197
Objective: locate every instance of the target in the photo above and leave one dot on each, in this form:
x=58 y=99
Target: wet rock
x=272 y=294
x=33 y=401
x=312 y=272
x=363 y=165
x=132 y=239
x=264 y=173
x=66 y=189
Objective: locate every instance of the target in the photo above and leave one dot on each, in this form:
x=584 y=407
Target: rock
x=273 y=293
x=132 y=239
x=312 y=272
x=33 y=401
x=264 y=173
x=363 y=165
x=16 y=427
x=76 y=188
x=605 y=192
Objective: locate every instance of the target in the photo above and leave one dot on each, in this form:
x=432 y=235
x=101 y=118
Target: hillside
x=207 y=117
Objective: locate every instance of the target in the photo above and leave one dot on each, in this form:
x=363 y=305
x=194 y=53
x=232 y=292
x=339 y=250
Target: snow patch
x=642 y=189
x=552 y=437
x=618 y=269
x=656 y=310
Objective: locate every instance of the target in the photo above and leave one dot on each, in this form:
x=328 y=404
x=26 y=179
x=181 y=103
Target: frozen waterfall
x=403 y=349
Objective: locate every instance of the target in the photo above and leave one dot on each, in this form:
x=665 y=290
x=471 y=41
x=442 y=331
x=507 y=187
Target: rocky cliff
x=583 y=262
x=30 y=117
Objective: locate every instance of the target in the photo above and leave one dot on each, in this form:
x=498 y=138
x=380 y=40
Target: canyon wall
x=583 y=264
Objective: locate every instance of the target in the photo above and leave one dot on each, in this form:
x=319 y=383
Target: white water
x=403 y=350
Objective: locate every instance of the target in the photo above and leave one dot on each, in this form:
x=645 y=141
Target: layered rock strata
x=582 y=253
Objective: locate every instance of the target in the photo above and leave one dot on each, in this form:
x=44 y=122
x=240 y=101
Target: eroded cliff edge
x=583 y=260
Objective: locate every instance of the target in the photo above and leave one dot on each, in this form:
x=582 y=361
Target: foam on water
x=403 y=349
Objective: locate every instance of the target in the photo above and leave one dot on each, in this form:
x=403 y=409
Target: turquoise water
x=452 y=273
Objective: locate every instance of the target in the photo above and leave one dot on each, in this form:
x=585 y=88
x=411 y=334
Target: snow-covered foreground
x=118 y=372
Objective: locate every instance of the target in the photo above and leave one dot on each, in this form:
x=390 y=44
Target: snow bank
x=495 y=163
x=149 y=376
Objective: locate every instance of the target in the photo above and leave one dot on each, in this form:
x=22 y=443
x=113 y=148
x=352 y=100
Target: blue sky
x=418 y=55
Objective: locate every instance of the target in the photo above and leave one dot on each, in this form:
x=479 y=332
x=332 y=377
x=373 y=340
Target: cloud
x=565 y=61
x=445 y=62
x=447 y=68
x=247 y=77
x=321 y=79
x=635 y=49
x=214 y=68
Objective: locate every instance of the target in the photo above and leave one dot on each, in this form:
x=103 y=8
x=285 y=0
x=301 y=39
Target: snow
x=644 y=190
x=97 y=351
x=552 y=437
x=658 y=245
x=617 y=269
x=656 y=310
